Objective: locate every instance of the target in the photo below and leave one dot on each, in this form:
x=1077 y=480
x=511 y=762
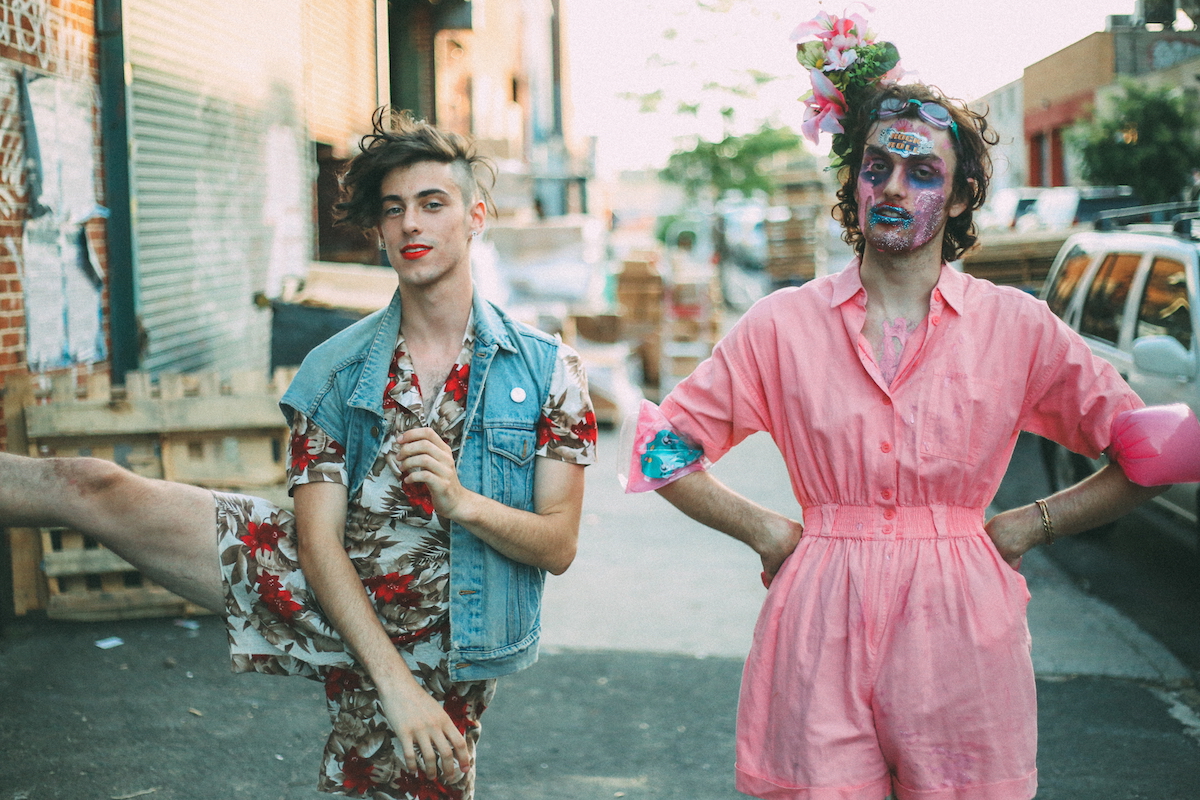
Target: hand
x=426 y=734
x=1015 y=532
x=779 y=543
x=421 y=456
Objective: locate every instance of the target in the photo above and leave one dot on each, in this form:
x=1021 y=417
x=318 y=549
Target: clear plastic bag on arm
x=652 y=453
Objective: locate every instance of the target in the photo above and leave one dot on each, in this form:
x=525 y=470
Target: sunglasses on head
x=933 y=113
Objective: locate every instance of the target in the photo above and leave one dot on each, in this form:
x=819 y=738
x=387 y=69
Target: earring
x=382 y=245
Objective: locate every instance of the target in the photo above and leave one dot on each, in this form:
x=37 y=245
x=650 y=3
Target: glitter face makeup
x=902 y=186
x=895 y=337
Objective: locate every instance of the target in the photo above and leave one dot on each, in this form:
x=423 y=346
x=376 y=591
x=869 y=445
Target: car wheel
x=1065 y=469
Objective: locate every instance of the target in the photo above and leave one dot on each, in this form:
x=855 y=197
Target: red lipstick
x=412 y=252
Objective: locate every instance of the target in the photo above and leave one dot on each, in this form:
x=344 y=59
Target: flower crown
x=845 y=64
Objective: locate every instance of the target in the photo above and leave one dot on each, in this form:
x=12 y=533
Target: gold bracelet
x=1047 y=525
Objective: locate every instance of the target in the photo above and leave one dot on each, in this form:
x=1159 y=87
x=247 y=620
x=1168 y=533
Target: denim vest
x=495 y=602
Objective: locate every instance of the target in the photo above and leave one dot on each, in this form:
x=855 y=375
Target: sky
x=697 y=53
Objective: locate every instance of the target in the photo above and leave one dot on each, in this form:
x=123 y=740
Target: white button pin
x=517 y=394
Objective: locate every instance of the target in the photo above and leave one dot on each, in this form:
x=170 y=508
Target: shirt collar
x=951 y=285
x=489 y=324
x=468 y=342
x=846 y=284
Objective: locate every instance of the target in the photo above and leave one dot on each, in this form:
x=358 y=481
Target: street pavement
x=635 y=694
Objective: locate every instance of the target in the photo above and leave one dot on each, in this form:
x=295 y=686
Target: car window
x=1164 y=310
x=1066 y=279
x=1104 y=309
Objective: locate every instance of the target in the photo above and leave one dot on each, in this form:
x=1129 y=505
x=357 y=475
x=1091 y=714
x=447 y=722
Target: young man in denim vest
x=410 y=576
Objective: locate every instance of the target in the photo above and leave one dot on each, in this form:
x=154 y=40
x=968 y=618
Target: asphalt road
x=635 y=694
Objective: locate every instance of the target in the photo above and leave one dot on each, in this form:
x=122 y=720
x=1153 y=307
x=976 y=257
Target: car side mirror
x=1163 y=355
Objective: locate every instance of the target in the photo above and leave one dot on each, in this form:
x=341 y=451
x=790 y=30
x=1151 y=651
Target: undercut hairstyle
x=971 y=174
x=397 y=140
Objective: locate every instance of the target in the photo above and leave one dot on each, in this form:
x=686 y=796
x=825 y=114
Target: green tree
x=1146 y=139
x=733 y=163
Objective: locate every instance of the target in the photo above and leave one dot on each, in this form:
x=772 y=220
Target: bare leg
x=167 y=530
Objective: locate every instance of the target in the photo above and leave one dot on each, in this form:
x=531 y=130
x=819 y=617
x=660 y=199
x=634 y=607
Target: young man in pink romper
x=892 y=653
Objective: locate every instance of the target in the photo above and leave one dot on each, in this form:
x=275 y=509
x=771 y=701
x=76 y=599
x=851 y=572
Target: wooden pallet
x=1015 y=259
x=193 y=429
x=88 y=582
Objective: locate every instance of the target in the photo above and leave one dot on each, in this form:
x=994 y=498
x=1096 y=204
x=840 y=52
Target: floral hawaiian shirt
x=400 y=549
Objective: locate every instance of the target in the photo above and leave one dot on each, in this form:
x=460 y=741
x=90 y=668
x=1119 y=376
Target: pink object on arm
x=1157 y=445
x=656 y=454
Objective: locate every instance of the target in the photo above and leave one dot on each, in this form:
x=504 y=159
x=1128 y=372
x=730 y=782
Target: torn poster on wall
x=63 y=280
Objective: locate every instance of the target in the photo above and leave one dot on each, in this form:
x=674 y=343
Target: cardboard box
x=639 y=268
x=650 y=350
x=602 y=328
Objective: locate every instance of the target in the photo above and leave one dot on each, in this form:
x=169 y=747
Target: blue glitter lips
x=890 y=215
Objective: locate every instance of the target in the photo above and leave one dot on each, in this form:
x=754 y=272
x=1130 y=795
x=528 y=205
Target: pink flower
x=847 y=40
x=894 y=75
x=818 y=26
x=825 y=108
x=839 y=60
x=849 y=30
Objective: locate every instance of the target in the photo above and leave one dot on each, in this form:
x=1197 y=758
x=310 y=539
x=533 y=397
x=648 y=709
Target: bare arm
x=420 y=723
x=1094 y=501
x=546 y=537
x=705 y=499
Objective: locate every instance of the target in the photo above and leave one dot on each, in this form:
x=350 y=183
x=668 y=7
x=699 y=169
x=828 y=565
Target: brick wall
x=54 y=37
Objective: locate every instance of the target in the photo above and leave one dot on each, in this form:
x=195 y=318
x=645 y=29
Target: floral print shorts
x=276 y=628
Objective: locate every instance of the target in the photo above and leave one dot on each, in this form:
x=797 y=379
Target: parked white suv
x=1132 y=294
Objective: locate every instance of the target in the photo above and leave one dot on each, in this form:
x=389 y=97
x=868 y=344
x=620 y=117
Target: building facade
x=1062 y=88
x=184 y=158
x=1005 y=108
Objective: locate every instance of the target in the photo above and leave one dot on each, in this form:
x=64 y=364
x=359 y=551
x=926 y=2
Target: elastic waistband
x=882 y=522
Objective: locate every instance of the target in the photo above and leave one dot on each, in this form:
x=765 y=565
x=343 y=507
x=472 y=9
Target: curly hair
x=398 y=140
x=971 y=176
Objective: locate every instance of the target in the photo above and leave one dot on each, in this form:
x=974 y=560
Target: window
x=1164 y=310
x=1037 y=160
x=1067 y=279
x=1104 y=309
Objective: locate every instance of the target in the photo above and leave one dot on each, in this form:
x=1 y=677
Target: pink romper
x=892 y=651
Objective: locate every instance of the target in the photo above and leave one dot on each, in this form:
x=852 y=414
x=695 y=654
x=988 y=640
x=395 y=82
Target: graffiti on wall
x=12 y=157
x=1166 y=53
x=37 y=29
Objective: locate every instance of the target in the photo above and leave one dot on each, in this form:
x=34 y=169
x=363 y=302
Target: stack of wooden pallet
x=195 y=429
x=1021 y=259
x=795 y=227
x=640 y=305
x=691 y=321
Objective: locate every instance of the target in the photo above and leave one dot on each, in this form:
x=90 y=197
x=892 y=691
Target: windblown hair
x=398 y=140
x=971 y=176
